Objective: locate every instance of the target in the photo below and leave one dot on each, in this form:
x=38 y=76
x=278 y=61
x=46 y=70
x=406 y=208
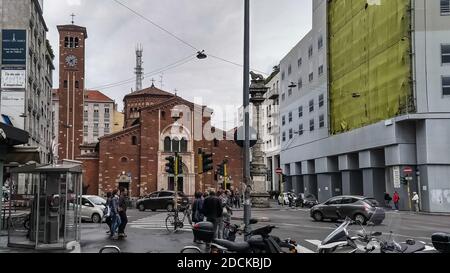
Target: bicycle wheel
x=171 y=223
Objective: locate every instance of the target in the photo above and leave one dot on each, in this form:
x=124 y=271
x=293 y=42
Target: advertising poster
x=13 y=78
x=13 y=108
x=14 y=47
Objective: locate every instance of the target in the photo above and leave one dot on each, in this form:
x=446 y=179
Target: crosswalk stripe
x=155 y=222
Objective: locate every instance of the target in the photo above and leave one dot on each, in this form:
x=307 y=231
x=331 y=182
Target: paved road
x=147 y=233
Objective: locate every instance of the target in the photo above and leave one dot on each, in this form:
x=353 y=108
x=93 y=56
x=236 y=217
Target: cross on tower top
x=73 y=16
x=153 y=82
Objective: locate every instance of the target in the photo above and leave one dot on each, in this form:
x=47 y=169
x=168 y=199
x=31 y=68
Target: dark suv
x=161 y=200
x=358 y=208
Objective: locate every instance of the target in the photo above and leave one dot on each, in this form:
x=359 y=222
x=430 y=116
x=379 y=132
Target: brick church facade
x=157 y=124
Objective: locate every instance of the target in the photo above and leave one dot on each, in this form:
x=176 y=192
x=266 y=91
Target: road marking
x=156 y=222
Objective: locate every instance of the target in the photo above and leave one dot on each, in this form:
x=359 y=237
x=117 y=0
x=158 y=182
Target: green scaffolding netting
x=370 y=64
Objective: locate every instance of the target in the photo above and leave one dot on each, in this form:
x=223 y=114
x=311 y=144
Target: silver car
x=92 y=207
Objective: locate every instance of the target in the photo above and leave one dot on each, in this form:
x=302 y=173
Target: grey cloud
x=216 y=26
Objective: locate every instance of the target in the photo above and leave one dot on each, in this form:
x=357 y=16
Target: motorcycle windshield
x=392 y=234
x=339 y=234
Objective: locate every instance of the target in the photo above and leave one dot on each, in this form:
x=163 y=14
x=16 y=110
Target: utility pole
x=176 y=181
x=247 y=178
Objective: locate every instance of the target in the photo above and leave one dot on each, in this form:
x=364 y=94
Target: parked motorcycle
x=259 y=240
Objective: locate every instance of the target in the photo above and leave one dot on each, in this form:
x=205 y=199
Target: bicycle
x=173 y=221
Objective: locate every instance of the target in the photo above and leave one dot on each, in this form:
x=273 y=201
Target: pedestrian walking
x=387 y=200
x=115 y=218
x=415 y=200
x=122 y=213
x=197 y=207
x=212 y=209
x=107 y=212
x=396 y=199
x=237 y=199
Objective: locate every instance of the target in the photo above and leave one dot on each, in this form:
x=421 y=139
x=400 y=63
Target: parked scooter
x=339 y=241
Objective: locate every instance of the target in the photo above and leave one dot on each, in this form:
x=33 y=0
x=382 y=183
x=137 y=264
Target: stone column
x=258 y=169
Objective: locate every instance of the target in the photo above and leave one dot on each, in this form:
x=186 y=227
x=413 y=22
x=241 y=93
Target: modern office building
x=26 y=72
x=389 y=105
x=303 y=100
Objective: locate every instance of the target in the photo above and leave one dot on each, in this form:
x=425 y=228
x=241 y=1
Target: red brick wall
x=143 y=158
x=71 y=99
x=112 y=150
x=90 y=174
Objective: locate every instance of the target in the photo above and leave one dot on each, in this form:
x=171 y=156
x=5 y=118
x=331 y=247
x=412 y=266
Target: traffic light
x=403 y=180
x=179 y=164
x=170 y=165
x=221 y=169
x=207 y=162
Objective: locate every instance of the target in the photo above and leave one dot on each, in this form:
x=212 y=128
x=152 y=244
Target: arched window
x=175 y=145
x=134 y=140
x=124 y=160
x=167 y=144
x=76 y=42
x=183 y=145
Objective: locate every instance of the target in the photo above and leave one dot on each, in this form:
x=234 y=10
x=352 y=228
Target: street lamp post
x=246 y=102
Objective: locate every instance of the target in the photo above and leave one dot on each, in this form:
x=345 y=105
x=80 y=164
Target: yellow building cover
x=370 y=63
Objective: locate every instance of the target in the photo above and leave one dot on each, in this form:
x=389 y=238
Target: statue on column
x=258 y=170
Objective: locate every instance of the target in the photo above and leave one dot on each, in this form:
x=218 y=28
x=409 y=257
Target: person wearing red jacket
x=396 y=199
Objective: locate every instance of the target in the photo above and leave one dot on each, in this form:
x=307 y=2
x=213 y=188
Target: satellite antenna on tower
x=139 y=70
x=161 y=80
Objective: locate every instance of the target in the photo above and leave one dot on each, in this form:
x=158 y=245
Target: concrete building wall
x=37 y=112
x=304 y=108
x=431 y=31
x=97 y=125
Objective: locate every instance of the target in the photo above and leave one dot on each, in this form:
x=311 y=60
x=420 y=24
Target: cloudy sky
x=213 y=25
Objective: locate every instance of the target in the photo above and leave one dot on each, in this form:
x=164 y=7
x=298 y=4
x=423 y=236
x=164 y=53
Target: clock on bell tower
x=72 y=40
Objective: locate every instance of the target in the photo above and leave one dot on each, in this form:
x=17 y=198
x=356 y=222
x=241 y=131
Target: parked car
x=161 y=200
x=306 y=200
x=358 y=208
x=92 y=207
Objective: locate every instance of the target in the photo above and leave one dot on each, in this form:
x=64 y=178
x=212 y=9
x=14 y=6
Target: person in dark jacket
x=197 y=206
x=212 y=209
x=115 y=218
x=123 y=213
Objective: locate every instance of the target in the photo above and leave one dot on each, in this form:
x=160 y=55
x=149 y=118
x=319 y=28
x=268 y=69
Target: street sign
x=396 y=173
x=279 y=171
x=407 y=170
